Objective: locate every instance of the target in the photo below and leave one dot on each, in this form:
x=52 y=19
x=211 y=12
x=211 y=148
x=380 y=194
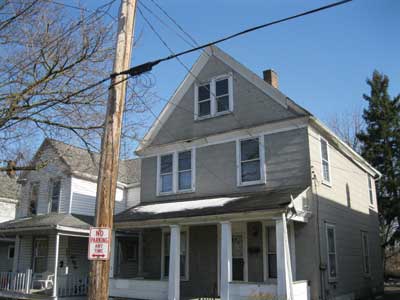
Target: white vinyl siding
x=250 y=159
x=214 y=98
x=176 y=172
x=326 y=172
x=365 y=251
x=331 y=252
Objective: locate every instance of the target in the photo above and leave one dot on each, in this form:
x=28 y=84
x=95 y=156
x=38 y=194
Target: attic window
x=214 y=98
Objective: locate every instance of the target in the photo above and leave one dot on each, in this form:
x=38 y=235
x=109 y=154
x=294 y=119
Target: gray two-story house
x=246 y=195
x=49 y=236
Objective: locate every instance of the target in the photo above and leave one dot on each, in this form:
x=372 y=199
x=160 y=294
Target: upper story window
x=326 y=172
x=331 y=251
x=33 y=199
x=250 y=161
x=175 y=172
x=214 y=97
x=370 y=191
x=55 y=192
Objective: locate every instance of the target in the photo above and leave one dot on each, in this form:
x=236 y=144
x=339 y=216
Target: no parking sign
x=99 y=243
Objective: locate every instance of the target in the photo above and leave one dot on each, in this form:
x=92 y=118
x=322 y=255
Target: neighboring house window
x=214 y=97
x=184 y=247
x=370 y=191
x=250 y=157
x=326 y=175
x=55 y=191
x=176 y=172
x=40 y=253
x=331 y=247
x=365 y=250
x=33 y=199
x=271 y=252
x=11 y=251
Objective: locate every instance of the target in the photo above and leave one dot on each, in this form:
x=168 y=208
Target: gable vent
x=271 y=77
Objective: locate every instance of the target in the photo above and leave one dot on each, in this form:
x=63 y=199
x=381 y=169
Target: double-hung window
x=33 y=199
x=271 y=252
x=365 y=251
x=214 y=97
x=331 y=251
x=326 y=174
x=40 y=254
x=370 y=191
x=184 y=246
x=166 y=173
x=55 y=192
x=250 y=161
x=176 y=172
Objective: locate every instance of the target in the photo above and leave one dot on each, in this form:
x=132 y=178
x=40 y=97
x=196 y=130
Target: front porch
x=49 y=262
x=238 y=259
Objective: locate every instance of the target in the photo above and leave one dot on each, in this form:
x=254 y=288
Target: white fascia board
x=346 y=149
x=71 y=229
x=233 y=135
x=93 y=178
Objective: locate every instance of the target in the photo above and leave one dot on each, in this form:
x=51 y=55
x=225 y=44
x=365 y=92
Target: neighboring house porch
x=50 y=257
x=236 y=247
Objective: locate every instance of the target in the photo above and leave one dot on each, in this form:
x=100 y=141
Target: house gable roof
x=190 y=79
x=82 y=163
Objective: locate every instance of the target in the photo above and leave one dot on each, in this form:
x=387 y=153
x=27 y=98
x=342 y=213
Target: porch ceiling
x=208 y=206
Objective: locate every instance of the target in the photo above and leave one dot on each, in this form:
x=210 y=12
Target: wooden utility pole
x=108 y=172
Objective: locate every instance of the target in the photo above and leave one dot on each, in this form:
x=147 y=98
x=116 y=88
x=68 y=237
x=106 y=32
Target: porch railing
x=16 y=282
x=73 y=285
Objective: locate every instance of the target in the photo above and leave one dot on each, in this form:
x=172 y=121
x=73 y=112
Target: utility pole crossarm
x=108 y=169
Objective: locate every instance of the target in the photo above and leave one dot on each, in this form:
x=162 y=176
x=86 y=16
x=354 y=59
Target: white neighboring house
x=9 y=195
x=53 y=219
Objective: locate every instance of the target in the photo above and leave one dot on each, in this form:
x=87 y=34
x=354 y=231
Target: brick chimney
x=271 y=77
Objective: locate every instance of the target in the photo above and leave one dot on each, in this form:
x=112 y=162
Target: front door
x=203 y=260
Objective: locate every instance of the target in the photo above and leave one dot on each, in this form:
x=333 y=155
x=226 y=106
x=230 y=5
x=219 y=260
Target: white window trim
x=8 y=251
x=50 y=204
x=261 y=147
x=184 y=230
x=325 y=182
x=366 y=253
x=371 y=197
x=213 y=101
x=331 y=226
x=35 y=251
x=175 y=172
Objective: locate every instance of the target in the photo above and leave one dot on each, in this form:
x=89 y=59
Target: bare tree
x=50 y=60
x=346 y=125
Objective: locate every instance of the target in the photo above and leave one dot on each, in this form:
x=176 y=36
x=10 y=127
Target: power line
x=147 y=66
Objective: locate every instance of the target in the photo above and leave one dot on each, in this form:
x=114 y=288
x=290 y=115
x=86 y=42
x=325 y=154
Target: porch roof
x=48 y=221
x=207 y=206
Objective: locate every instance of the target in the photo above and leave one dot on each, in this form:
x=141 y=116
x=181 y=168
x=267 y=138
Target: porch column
x=56 y=265
x=226 y=259
x=174 y=276
x=284 y=269
x=17 y=246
